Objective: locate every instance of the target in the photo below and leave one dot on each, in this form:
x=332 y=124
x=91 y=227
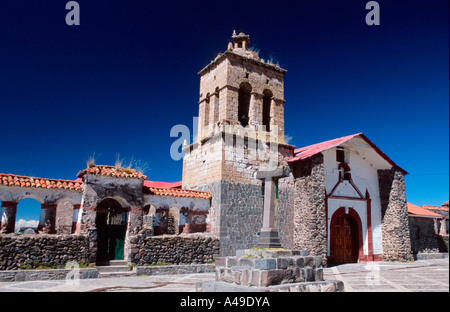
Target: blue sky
x=121 y=80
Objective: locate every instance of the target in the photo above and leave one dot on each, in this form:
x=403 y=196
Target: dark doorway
x=344 y=240
x=111 y=228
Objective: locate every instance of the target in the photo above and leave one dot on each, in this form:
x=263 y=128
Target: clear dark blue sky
x=121 y=80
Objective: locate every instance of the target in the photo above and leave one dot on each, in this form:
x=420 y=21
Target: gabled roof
x=311 y=150
x=421 y=212
x=112 y=171
x=24 y=181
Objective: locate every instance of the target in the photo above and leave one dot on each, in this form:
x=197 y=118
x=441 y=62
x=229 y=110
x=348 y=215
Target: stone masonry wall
x=394 y=211
x=173 y=249
x=284 y=215
x=32 y=251
x=423 y=236
x=237 y=199
x=236 y=214
x=310 y=223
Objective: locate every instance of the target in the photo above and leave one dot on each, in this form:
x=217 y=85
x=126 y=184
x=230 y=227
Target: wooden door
x=345 y=240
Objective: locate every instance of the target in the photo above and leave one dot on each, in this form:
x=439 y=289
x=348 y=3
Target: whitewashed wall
x=365 y=177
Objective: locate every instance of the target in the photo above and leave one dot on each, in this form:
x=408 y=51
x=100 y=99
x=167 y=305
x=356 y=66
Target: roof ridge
x=40 y=178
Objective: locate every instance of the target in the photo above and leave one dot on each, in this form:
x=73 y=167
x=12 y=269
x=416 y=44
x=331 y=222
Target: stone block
x=282 y=263
x=309 y=261
x=266 y=264
x=318 y=274
x=328 y=287
x=246 y=277
x=231 y=261
x=221 y=261
x=247 y=262
x=256 y=278
x=299 y=275
x=272 y=277
x=309 y=274
x=300 y=262
x=237 y=277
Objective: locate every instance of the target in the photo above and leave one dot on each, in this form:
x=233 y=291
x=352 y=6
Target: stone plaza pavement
x=419 y=276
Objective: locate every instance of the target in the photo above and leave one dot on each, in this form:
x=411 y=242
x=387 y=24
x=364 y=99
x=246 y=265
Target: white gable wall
x=365 y=177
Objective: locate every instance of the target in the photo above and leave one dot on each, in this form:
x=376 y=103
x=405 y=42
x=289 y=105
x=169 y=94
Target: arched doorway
x=27 y=216
x=111 y=222
x=345 y=237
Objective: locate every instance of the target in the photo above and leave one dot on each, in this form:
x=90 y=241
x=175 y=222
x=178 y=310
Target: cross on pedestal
x=269 y=234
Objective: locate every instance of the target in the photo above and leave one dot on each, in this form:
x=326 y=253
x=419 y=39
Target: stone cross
x=269 y=234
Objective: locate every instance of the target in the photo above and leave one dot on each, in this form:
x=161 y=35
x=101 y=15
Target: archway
x=111 y=223
x=27 y=216
x=345 y=237
x=267 y=103
x=245 y=90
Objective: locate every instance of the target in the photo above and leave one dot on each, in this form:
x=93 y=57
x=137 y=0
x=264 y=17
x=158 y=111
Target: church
x=242 y=186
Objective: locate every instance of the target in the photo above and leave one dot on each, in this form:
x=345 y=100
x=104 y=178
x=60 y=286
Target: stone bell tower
x=240 y=89
x=240 y=133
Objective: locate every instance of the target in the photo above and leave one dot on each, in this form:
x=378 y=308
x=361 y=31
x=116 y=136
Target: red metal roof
x=148 y=183
x=311 y=150
x=419 y=211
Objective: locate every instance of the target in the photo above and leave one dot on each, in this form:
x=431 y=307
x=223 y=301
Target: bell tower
x=240 y=133
x=238 y=88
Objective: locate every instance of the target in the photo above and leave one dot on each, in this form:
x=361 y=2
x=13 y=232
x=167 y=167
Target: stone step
x=116 y=274
x=113 y=268
x=118 y=262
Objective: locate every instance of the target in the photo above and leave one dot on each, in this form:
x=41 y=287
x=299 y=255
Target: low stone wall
x=34 y=251
x=423 y=236
x=321 y=286
x=46 y=275
x=175 y=269
x=443 y=243
x=194 y=248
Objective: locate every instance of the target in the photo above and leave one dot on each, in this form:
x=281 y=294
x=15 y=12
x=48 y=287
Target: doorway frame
x=125 y=209
x=359 y=240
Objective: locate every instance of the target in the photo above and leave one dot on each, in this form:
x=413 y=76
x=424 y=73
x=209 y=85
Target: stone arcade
x=243 y=186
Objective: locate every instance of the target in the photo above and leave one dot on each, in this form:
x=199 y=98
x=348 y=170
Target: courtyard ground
x=419 y=276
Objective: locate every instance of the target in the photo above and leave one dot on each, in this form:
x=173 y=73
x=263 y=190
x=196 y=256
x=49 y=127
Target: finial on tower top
x=241 y=41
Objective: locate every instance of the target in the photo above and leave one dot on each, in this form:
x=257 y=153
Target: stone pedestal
x=269 y=239
x=270 y=269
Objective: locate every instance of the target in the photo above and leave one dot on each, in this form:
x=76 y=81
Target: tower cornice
x=231 y=54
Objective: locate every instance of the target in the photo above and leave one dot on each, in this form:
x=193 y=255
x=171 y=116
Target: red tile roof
x=176 y=192
x=419 y=211
x=442 y=208
x=24 y=181
x=311 y=150
x=112 y=171
x=163 y=184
